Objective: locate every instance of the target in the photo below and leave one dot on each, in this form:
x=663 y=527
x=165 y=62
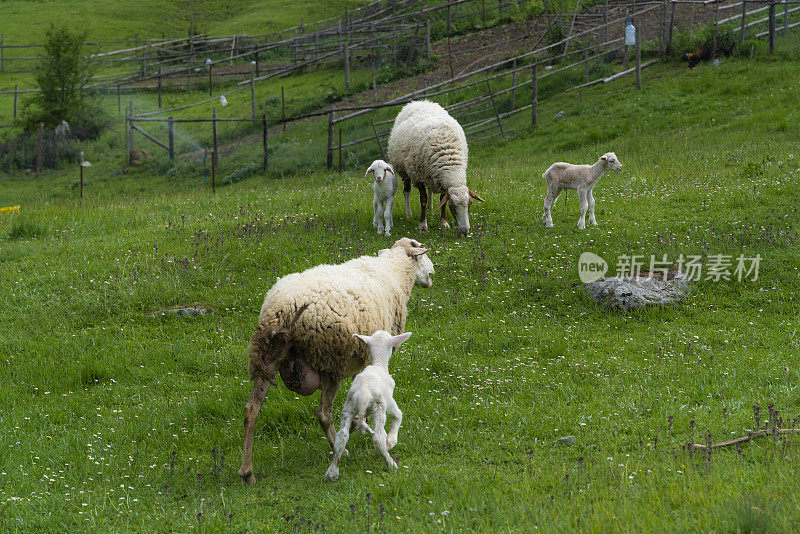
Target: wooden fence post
x=771 y=26
x=119 y=102
x=513 y=85
x=744 y=15
x=252 y=94
x=638 y=59
x=785 y=17
x=283 y=110
x=494 y=107
x=214 y=153
x=671 y=26
x=534 y=95
x=716 y=28
x=483 y=12
x=2 y=55
x=131 y=145
x=171 y=131
x=265 y=141
x=340 y=151
x=428 y=49
x=257 y=65
x=40 y=149
x=159 y=86
x=329 y=162
x=16 y=97
x=210 y=82
x=586 y=64
x=346 y=54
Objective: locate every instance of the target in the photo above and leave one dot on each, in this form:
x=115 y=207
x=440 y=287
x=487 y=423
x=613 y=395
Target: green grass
x=118 y=418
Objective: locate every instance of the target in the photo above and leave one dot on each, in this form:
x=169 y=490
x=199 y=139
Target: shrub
x=245 y=171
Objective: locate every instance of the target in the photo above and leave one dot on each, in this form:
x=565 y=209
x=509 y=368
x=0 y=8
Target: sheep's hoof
x=392 y=466
x=444 y=225
x=332 y=474
x=248 y=478
x=422 y=227
x=388 y=232
x=581 y=226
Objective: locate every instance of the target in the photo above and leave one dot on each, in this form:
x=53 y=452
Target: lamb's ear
x=474 y=195
x=391 y=169
x=604 y=157
x=370 y=170
x=365 y=339
x=383 y=251
x=398 y=340
x=444 y=200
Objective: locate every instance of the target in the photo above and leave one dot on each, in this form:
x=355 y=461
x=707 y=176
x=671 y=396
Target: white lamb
x=308 y=319
x=428 y=147
x=372 y=389
x=383 y=189
x=562 y=176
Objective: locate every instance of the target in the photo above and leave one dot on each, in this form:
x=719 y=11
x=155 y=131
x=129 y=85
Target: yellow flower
x=9 y=209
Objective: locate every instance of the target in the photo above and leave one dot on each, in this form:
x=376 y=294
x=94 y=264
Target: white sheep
x=308 y=319
x=372 y=390
x=583 y=178
x=383 y=189
x=429 y=149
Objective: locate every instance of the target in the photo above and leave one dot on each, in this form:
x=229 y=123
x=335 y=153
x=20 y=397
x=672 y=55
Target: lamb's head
x=460 y=197
x=611 y=161
x=422 y=264
x=380 y=169
x=381 y=344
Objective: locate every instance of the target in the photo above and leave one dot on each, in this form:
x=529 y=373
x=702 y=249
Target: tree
x=62 y=76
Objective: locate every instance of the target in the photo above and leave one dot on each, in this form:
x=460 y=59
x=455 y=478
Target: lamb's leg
x=379 y=437
x=329 y=390
x=584 y=208
x=387 y=216
x=443 y=220
x=549 y=200
x=423 y=202
x=590 y=198
x=339 y=445
x=394 y=426
x=407 y=196
x=376 y=214
x=251 y=409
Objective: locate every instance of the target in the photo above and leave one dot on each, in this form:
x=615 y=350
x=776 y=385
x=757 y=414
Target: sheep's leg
x=407 y=195
x=584 y=208
x=324 y=413
x=251 y=409
x=590 y=198
x=387 y=216
x=443 y=219
x=339 y=445
x=376 y=214
x=379 y=437
x=549 y=200
x=423 y=202
x=394 y=426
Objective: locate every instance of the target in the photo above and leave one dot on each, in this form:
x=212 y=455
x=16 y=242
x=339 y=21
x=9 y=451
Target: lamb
x=308 y=319
x=562 y=176
x=429 y=149
x=372 y=389
x=383 y=195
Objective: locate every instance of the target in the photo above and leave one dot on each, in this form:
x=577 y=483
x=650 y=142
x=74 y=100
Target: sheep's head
x=380 y=169
x=460 y=198
x=611 y=161
x=381 y=344
x=423 y=266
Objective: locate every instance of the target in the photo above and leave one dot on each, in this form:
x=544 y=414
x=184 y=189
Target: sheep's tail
x=268 y=337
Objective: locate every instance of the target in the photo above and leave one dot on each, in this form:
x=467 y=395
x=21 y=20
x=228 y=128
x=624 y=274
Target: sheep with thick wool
x=429 y=149
x=308 y=319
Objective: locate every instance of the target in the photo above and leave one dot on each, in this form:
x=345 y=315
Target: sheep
x=383 y=195
x=429 y=149
x=308 y=319
x=372 y=389
x=562 y=176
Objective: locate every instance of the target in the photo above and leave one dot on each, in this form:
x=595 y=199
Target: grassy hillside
x=117 y=417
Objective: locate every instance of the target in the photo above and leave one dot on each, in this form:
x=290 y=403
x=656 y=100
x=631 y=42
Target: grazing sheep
x=562 y=176
x=429 y=149
x=383 y=195
x=308 y=319
x=373 y=390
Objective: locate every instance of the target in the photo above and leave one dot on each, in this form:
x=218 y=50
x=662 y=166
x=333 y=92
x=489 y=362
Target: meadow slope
x=119 y=417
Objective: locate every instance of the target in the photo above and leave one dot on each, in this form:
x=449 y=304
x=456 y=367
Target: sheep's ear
x=370 y=170
x=391 y=169
x=474 y=195
x=365 y=339
x=414 y=252
x=398 y=340
x=444 y=200
x=604 y=157
x=383 y=251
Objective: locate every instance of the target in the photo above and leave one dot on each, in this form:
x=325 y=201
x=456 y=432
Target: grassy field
x=119 y=417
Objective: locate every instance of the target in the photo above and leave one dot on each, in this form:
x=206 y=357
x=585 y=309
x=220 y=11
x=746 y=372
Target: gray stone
x=637 y=293
x=186 y=311
x=567 y=440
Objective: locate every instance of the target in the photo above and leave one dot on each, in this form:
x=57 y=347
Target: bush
x=22 y=151
x=245 y=171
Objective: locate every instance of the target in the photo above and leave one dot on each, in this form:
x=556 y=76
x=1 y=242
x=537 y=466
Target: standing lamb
x=373 y=390
x=383 y=189
x=562 y=176
x=308 y=319
x=429 y=149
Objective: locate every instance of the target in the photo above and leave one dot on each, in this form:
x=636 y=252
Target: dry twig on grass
x=748 y=437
